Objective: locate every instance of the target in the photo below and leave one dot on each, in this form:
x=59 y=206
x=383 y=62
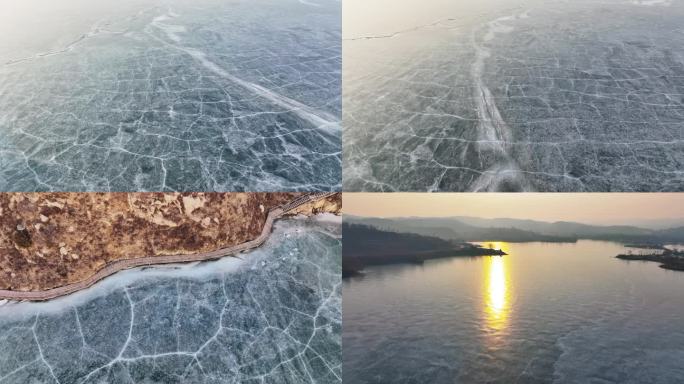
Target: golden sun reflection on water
x=497 y=288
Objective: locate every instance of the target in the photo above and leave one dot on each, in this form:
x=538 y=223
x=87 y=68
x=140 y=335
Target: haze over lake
x=547 y=312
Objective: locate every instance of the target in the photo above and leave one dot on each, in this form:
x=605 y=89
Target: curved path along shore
x=121 y=265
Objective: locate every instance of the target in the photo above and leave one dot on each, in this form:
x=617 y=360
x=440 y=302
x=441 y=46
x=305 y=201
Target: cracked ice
x=531 y=96
x=273 y=317
x=176 y=96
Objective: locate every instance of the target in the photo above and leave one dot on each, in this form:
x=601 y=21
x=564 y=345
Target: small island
x=668 y=258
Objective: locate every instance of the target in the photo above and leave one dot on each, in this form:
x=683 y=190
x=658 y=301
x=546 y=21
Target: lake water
x=547 y=312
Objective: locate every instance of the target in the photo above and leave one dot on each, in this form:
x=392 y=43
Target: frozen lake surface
x=514 y=95
x=274 y=317
x=159 y=95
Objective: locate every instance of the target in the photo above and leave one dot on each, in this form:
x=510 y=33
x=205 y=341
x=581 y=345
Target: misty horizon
x=640 y=223
x=661 y=210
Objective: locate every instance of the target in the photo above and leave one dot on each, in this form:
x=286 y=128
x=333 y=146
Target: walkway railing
x=120 y=265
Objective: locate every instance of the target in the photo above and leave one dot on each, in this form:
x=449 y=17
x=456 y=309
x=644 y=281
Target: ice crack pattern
x=274 y=317
x=179 y=96
x=531 y=96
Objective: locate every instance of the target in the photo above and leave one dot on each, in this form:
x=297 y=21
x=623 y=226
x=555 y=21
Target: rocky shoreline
x=669 y=259
x=51 y=240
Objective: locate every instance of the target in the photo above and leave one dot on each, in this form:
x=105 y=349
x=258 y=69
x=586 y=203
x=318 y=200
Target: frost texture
x=178 y=96
x=538 y=96
x=276 y=319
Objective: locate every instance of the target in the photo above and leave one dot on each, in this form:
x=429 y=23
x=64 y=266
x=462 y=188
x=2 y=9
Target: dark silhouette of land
x=365 y=245
x=668 y=259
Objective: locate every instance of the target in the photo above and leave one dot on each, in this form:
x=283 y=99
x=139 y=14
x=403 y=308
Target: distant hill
x=651 y=223
x=514 y=230
x=450 y=229
x=368 y=241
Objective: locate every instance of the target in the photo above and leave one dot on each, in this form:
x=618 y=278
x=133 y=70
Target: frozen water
x=161 y=95
x=273 y=317
x=514 y=95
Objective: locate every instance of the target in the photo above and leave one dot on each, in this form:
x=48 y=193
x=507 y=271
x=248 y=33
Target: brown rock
x=93 y=229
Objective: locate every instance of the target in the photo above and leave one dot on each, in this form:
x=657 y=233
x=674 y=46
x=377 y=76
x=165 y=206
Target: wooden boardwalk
x=120 y=265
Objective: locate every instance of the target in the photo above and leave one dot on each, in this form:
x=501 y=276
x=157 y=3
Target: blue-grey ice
x=273 y=316
x=179 y=95
x=515 y=95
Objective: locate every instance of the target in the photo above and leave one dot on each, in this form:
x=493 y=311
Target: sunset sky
x=613 y=208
